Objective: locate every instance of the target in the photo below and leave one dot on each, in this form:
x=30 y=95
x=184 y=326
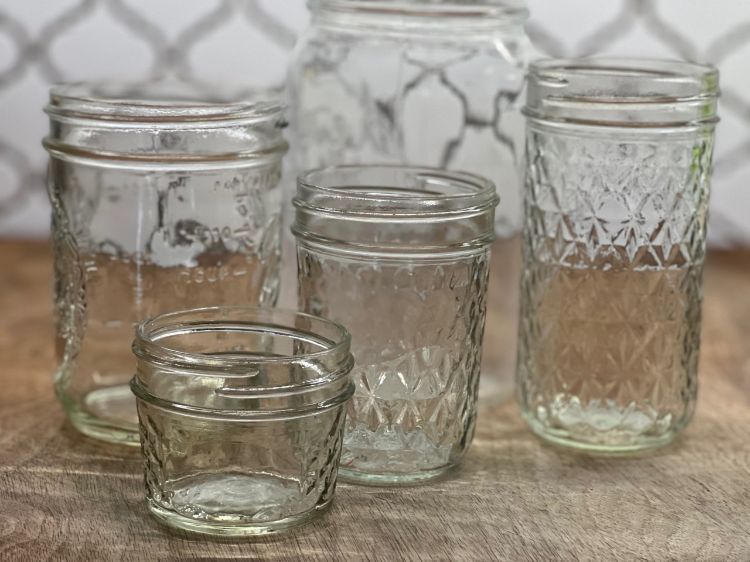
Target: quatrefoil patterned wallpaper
x=48 y=41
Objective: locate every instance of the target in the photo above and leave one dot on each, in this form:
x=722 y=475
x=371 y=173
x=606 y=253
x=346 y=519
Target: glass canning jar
x=417 y=82
x=400 y=256
x=161 y=200
x=241 y=415
x=424 y=83
x=619 y=166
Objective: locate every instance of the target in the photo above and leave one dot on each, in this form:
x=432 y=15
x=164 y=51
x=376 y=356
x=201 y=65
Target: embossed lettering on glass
x=160 y=200
x=400 y=257
x=425 y=83
x=618 y=174
x=242 y=415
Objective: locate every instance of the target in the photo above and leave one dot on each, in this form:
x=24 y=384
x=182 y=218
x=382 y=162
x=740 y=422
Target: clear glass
x=241 y=417
x=161 y=201
x=400 y=256
x=618 y=174
x=425 y=83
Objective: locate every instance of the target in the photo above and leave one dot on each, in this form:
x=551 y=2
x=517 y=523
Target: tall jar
x=160 y=201
x=619 y=169
x=400 y=257
x=425 y=83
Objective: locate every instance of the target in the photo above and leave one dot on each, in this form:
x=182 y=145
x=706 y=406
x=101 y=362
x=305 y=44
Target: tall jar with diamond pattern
x=617 y=185
x=425 y=83
x=163 y=197
x=400 y=257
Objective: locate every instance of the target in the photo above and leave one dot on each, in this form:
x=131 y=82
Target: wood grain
x=64 y=497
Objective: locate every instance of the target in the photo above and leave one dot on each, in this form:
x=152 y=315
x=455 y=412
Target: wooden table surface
x=65 y=497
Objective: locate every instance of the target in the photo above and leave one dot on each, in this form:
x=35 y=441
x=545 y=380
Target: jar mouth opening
x=467 y=9
x=166 y=339
x=163 y=101
x=622 y=91
x=393 y=191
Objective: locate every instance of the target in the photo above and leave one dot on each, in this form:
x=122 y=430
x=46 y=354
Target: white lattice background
x=47 y=41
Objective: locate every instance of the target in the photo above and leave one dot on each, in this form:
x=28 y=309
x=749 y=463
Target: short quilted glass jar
x=163 y=198
x=400 y=256
x=241 y=415
x=619 y=166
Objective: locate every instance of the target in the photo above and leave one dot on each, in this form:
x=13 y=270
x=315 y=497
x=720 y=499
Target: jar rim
x=318 y=189
x=149 y=332
x=442 y=9
x=622 y=91
x=246 y=377
x=161 y=101
x=394 y=212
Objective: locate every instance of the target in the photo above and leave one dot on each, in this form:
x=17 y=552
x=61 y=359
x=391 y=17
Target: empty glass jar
x=418 y=82
x=161 y=200
x=400 y=256
x=241 y=415
x=424 y=83
x=619 y=167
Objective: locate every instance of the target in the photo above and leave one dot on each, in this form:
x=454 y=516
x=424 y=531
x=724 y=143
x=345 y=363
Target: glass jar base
x=177 y=521
x=567 y=440
x=102 y=416
x=392 y=478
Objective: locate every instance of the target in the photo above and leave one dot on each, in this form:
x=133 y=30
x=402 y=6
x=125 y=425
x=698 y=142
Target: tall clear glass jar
x=426 y=83
x=619 y=167
x=400 y=257
x=160 y=200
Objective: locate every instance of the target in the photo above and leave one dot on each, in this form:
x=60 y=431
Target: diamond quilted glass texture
x=227 y=477
x=241 y=415
x=400 y=257
x=416 y=338
x=614 y=244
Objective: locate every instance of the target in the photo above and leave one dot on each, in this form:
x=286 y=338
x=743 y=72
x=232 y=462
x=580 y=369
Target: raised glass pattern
x=417 y=334
x=614 y=244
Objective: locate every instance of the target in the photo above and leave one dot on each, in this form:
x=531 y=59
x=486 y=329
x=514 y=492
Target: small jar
x=241 y=416
x=619 y=167
x=161 y=200
x=400 y=256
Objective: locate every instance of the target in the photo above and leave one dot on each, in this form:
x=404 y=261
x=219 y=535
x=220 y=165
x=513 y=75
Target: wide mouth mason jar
x=241 y=416
x=618 y=175
x=400 y=256
x=163 y=198
x=434 y=83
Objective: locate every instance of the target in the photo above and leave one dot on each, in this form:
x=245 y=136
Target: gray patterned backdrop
x=48 y=41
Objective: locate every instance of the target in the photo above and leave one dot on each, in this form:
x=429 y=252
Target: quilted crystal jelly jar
x=400 y=257
x=619 y=166
x=241 y=416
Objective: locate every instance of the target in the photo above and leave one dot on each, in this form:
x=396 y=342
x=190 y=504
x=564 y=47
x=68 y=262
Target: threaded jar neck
x=627 y=93
x=242 y=361
x=421 y=15
x=163 y=123
x=394 y=210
